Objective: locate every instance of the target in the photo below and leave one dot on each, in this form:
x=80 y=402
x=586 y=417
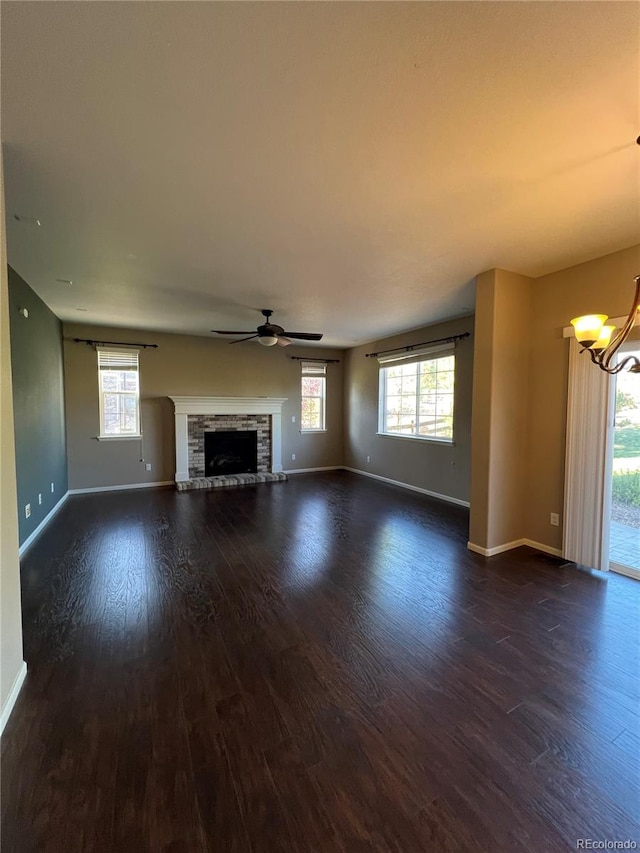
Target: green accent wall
x=38 y=404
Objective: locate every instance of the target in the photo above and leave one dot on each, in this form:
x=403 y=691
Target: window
x=416 y=395
x=119 y=389
x=314 y=389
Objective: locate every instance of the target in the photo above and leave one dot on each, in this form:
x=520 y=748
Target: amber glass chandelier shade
x=588 y=327
x=600 y=342
x=604 y=339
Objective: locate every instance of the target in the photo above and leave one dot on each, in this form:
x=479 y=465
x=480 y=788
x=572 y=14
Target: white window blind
x=312 y=368
x=417 y=354
x=119 y=391
x=117 y=359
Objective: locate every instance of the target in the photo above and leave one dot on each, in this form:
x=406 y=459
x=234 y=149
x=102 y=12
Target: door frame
x=618 y=568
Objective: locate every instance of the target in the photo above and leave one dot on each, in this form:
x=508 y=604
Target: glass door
x=624 y=538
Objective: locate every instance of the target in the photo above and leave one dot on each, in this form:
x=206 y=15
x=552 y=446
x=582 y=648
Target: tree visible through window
x=119 y=389
x=314 y=387
x=416 y=398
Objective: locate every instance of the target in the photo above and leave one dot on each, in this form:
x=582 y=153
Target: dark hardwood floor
x=313 y=666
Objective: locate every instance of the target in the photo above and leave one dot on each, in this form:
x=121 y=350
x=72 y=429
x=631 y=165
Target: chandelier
x=597 y=339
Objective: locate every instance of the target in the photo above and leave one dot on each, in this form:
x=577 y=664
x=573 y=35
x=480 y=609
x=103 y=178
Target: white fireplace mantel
x=185 y=406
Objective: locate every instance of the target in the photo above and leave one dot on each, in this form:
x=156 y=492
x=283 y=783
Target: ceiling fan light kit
x=597 y=339
x=269 y=334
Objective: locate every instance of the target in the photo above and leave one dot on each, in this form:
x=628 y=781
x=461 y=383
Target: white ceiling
x=351 y=165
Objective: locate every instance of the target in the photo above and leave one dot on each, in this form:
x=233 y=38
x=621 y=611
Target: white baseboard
x=411 y=488
x=477 y=549
x=313 y=470
x=31 y=538
x=120 y=488
x=497 y=549
x=540 y=546
x=13 y=696
x=508 y=546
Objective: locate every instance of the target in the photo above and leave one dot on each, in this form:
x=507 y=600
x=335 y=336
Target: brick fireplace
x=194 y=416
x=199 y=425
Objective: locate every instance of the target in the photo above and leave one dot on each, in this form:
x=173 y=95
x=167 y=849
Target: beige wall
x=520 y=391
x=186 y=365
x=439 y=468
x=481 y=412
x=604 y=285
x=500 y=419
x=10 y=613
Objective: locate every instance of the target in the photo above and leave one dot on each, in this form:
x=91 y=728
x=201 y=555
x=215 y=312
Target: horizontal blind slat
x=417 y=355
x=310 y=368
x=118 y=359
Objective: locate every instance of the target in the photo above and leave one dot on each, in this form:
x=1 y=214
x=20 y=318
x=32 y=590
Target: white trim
x=508 y=546
x=447 y=442
x=13 y=696
x=123 y=437
x=587 y=482
x=411 y=488
x=477 y=549
x=228 y=405
x=314 y=371
x=133 y=366
x=540 y=546
x=182 y=447
x=418 y=358
x=312 y=470
x=120 y=488
x=628 y=571
x=185 y=406
x=497 y=549
x=38 y=530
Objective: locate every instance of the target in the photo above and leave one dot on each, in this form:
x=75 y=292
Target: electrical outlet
x=293 y=457
x=53 y=488
x=554 y=519
x=368 y=459
x=39 y=499
x=293 y=419
x=27 y=510
x=148 y=466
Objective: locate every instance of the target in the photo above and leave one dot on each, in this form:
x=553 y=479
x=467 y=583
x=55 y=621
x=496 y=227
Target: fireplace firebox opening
x=230 y=452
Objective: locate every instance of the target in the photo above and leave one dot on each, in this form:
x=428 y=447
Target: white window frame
x=315 y=370
x=417 y=357
x=131 y=361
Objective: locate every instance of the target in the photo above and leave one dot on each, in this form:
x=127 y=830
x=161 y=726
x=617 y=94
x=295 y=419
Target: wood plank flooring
x=314 y=666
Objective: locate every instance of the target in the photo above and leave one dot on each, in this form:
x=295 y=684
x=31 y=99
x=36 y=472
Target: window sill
x=308 y=431
x=447 y=442
x=118 y=437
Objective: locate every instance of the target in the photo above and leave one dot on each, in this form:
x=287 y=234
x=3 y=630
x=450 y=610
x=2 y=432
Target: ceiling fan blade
x=218 y=332
x=304 y=336
x=284 y=342
x=240 y=340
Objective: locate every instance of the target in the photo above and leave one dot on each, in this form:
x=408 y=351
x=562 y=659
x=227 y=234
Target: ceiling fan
x=269 y=334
